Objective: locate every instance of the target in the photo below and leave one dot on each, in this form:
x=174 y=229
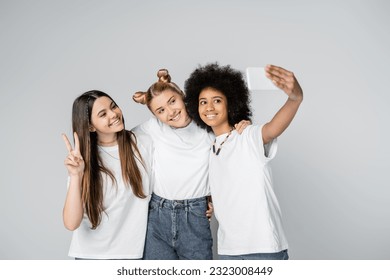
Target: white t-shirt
x=180 y=159
x=245 y=204
x=121 y=233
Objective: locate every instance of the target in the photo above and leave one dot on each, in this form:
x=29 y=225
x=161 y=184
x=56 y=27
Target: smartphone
x=257 y=80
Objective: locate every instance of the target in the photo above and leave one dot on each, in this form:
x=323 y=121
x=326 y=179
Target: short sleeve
x=254 y=132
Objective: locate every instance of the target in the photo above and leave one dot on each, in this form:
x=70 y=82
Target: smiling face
x=106 y=119
x=169 y=108
x=213 y=110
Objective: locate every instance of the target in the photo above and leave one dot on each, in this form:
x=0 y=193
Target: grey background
x=332 y=168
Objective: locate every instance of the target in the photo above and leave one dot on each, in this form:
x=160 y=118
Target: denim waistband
x=163 y=201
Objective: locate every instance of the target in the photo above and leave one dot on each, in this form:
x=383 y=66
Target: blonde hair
x=163 y=83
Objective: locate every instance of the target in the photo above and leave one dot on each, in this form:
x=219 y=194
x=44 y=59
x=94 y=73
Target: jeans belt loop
x=162 y=202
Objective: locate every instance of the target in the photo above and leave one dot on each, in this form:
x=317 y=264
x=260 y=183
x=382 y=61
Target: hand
x=285 y=80
x=74 y=161
x=210 y=210
x=242 y=125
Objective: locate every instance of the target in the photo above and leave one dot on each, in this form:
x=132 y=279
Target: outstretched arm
x=73 y=209
x=286 y=81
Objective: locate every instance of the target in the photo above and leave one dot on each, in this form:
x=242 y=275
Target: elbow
x=71 y=226
x=71 y=223
x=72 y=218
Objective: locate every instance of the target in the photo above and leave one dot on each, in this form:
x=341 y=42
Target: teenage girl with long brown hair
x=108 y=187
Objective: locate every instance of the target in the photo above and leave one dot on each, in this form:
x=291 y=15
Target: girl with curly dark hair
x=250 y=225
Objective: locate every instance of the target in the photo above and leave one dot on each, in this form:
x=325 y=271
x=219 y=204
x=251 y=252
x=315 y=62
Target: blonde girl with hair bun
x=178 y=222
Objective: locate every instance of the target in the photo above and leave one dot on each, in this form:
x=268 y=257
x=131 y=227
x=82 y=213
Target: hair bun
x=163 y=76
x=140 y=97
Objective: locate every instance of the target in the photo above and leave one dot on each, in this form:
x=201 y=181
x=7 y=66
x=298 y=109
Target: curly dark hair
x=224 y=79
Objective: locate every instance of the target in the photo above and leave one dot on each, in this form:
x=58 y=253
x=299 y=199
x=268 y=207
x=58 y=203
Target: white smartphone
x=257 y=80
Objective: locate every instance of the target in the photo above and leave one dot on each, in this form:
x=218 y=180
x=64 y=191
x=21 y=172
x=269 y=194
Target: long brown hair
x=163 y=83
x=92 y=183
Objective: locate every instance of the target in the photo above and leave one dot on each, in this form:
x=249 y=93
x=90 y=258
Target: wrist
x=76 y=176
x=295 y=98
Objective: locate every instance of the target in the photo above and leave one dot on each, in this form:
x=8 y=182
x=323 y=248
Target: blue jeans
x=282 y=255
x=178 y=230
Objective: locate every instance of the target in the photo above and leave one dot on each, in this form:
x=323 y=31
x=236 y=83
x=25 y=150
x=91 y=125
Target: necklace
x=108 y=153
x=220 y=146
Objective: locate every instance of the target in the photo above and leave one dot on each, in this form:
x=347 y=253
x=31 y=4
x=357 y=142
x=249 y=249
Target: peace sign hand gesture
x=74 y=161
